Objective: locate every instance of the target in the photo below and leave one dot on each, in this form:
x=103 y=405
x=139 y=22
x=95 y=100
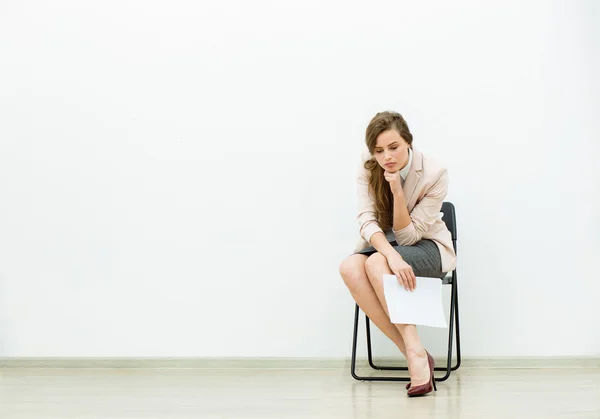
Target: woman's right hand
x=403 y=271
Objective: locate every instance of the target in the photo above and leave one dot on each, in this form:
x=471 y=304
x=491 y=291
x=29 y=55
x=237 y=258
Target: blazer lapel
x=412 y=179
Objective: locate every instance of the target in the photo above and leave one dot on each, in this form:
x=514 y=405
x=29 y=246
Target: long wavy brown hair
x=379 y=188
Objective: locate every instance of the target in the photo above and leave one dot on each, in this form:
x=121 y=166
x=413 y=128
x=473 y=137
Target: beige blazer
x=425 y=188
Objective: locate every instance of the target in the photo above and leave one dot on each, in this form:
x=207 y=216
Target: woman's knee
x=374 y=264
x=352 y=270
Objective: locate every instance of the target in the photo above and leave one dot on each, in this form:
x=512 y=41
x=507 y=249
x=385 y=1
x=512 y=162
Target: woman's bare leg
x=377 y=266
x=353 y=272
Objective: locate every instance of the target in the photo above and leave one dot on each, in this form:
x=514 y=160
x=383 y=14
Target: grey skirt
x=423 y=256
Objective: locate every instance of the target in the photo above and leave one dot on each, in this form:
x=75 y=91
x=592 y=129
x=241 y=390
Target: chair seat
x=447 y=280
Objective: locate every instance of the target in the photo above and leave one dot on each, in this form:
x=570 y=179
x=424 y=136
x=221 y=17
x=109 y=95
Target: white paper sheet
x=423 y=306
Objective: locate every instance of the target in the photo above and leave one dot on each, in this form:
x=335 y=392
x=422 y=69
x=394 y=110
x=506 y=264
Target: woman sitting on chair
x=400 y=195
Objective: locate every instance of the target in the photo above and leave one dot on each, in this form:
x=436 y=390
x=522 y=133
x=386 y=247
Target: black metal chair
x=449 y=217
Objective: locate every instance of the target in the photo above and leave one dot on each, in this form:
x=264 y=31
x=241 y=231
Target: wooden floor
x=263 y=394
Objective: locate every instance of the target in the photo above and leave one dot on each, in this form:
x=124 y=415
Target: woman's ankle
x=418 y=366
x=416 y=352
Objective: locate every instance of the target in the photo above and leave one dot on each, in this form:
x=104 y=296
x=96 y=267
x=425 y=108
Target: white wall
x=177 y=177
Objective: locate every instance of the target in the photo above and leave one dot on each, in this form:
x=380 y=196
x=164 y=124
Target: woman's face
x=391 y=151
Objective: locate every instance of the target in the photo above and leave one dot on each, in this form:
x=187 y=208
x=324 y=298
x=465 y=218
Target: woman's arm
x=372 y=233
x=401 y=214
x=401 y=217
x=369 y=227
x=423 y=215
x=380 y=243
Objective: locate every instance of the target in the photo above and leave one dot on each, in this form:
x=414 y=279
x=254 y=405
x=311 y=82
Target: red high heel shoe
x=424 y=388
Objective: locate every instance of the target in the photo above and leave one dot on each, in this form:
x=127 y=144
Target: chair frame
x=450 y=220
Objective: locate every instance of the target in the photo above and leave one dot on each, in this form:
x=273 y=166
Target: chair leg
x=353 y=363
x=458 y=357
x=371 y=363
x=448 y=368
x=354 y=338
x=454 y=319
x=451 y=333
x=369 y=350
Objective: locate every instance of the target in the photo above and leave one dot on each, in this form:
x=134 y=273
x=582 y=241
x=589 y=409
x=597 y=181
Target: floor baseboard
x=290 y=363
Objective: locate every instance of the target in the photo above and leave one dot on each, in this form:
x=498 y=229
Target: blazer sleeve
x=425 y=213
x=366 y=207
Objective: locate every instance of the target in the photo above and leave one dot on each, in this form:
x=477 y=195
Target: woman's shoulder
x=433 y=170
x=431 y=164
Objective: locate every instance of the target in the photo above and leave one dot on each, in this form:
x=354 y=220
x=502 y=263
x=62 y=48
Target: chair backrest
x=449 y=217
